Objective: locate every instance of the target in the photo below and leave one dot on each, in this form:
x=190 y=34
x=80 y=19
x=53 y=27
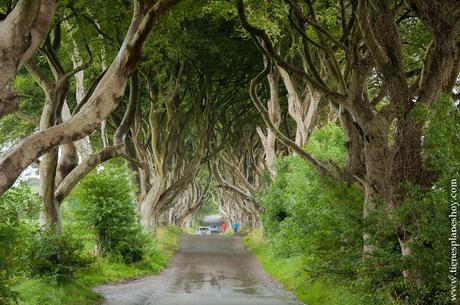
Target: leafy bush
x=26 y=249
x=104 y=202
x=15 y=205
x=55 y=257
x=309 y=216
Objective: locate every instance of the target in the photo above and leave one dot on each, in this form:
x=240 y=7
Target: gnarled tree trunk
x=102 y=102
x=21 y=34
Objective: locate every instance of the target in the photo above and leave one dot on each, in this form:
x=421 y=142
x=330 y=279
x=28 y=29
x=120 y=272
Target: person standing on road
x=235 y=228
x=223 y=228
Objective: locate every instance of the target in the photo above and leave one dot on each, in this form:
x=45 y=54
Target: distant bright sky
x=31 y=171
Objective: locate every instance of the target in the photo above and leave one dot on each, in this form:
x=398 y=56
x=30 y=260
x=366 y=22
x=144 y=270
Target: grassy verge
x=168 y=240
x=289 y=272
x=39 y=292
x=79 y=291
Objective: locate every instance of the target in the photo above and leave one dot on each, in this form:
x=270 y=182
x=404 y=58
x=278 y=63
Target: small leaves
x=105 y=203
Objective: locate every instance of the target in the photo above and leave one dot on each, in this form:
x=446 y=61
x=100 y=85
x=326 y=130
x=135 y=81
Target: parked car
x=214 y=228
x=203 y=231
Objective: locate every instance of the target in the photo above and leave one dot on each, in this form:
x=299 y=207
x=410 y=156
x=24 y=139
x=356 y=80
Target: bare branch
x=270 y=52
x=363 y=18
x=320 y=168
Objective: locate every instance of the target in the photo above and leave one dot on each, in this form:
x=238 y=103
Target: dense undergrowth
x=290 y=271
x=101 y=242
x=102 y=270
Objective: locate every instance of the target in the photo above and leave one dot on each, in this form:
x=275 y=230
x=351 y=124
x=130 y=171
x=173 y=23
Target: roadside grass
x=102 y=270
x=168 y=239
x=291 y=274
x=39 y=292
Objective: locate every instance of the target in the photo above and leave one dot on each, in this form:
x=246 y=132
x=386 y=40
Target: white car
x=203 y=231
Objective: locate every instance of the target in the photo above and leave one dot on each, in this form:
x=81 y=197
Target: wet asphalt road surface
x=208 y=270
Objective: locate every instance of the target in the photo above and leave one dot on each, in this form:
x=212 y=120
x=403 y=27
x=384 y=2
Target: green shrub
x=15 y=205
x=9 y=240
x=317 y=219
x=55 y=257
x=103 y=201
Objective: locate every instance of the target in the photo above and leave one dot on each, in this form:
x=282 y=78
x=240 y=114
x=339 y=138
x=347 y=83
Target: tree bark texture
x=101 y=103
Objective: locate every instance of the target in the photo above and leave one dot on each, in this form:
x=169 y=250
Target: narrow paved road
x=208 y=270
